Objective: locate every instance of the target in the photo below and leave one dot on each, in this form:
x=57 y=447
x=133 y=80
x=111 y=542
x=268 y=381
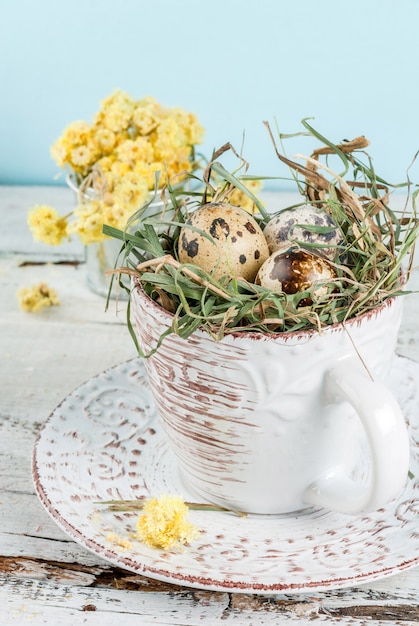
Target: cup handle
x=388 y=439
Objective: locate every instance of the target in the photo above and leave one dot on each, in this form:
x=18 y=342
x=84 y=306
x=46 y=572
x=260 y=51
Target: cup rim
x=286 y=335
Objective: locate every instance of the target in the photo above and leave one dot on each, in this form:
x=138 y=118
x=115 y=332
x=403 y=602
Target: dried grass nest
x=377 y=244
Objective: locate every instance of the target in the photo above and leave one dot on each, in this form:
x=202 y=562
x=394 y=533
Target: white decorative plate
x=105 y=442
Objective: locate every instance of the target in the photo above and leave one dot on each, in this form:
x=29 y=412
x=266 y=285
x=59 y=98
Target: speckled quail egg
x=288 y=227
x=295 y=270
x=237 y=246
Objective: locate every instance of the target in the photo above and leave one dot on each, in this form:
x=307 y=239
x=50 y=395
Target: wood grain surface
x=45 y=577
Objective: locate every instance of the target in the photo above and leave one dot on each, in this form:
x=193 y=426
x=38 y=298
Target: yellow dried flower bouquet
x=113 y=164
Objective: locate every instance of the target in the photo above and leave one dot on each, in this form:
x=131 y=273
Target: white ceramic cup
x=268 y=424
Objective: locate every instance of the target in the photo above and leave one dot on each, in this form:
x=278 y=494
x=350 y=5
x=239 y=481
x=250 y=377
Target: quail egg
x=295 y=270
x=236 y=246
x=288 y=227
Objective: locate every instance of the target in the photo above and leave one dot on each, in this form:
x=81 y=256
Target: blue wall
x=353 y=66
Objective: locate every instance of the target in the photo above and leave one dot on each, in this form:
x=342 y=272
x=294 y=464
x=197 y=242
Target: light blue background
x=353 y=66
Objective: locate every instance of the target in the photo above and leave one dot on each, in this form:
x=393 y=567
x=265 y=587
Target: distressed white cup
x=268 y=424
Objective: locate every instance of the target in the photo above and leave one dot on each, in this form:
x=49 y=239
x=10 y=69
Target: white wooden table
x=45 y=577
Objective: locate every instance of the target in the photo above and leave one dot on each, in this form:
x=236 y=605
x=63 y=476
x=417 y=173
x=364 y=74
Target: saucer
x=105 y=442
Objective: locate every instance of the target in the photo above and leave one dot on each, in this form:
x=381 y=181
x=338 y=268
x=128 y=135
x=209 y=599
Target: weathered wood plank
x=42 y=602
x=39 y=602
x=46 y=355
x=396 y=591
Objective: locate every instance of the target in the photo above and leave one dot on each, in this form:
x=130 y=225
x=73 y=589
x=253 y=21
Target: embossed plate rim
x=184 y=568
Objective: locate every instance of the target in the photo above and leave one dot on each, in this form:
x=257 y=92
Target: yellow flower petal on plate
x=164 y=523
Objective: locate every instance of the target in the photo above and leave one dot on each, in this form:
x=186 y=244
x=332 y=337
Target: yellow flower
x=116 y=112
x=105 y=163
x=81 y=156
x=147 y=115
x=76 y=135
x=130 y=191
x=117 y=540
x=164 y=523
x=106 y=139
x=146 y=173
x=118 y=170
x=188 y=123
x=241 y=199
x=168 y=139
x=135 y=150
x=46 y=225
x=35 y=298
x=117 y=215
x=89 y=221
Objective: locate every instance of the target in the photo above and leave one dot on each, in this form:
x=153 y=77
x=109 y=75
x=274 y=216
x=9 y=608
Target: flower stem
x=138 y=505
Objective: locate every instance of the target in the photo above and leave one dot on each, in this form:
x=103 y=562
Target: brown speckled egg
x=295 y=270
x=288 y=227
x=237 y=246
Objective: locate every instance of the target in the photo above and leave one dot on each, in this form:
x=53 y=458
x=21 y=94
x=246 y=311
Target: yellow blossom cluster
x=164 y=523
x=33 y=299
x=46 y=225
x=113 y=161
